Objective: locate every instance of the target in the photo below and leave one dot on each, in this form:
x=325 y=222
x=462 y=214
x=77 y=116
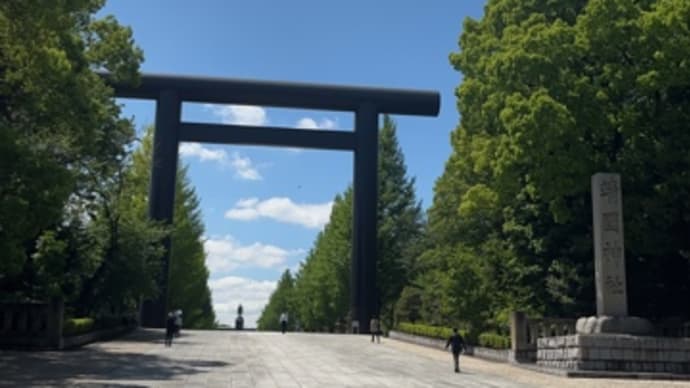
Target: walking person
x=283 y=322
x=375 y=328
x=457 y=345
x=169 y=329
x=178 y=322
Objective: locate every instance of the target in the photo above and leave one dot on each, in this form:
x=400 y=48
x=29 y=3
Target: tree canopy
x=188 y=275
x=73 y=217
x=553 y=92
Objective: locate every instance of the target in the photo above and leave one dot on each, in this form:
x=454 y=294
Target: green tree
x=322 y=285
x=281 y=300
x=552 y=92
x=399 y=222
x=59 y=128
x=188 y=275
x=131 y=250
x=188 y=282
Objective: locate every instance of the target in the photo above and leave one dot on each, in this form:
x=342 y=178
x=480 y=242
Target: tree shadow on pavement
x=107 y=385
x=96 y=363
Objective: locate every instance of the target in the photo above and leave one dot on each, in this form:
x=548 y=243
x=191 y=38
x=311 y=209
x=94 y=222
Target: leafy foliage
x=282 y=300
x=399 y=222
x=188 y=276
x=73 y=221
x=59 y=125
x=437 y=332
x=322 y=284
x=76 y=326
x=494 y=340
x=553 y=92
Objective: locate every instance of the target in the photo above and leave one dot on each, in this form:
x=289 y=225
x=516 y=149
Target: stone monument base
x=614 y=325
x=615 y=352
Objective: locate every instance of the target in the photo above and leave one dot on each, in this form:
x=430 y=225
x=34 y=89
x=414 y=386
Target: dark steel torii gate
x=170 y=92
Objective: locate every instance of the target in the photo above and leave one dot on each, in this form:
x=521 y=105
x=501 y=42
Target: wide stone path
x=250 y=359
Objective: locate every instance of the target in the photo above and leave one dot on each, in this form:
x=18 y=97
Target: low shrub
x=494 y=340
x=439 y=332
x=76 y=326
x=111 y=321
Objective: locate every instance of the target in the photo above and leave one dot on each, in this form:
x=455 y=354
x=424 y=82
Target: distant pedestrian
x=169 y=329
x=375 y=328
x=457 y=345
x=283 y=322
x=178 y=322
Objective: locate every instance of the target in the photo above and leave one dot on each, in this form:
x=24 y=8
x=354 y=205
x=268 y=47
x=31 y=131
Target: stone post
x=55 y=318
x=609 y=262
x=609 y=252
x=518 y=335
x=9 y=312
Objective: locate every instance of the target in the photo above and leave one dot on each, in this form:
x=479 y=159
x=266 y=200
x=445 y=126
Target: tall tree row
x=281 y=300
x=553 y=92
x=321 y=292
x=400 y=221
x=322 y=283
x=187 y=282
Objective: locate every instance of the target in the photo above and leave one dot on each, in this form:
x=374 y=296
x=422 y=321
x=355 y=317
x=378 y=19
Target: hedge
x=111 y=321
x=488 y=339
x=494 y=340
x=76 y=326
x=439 y=332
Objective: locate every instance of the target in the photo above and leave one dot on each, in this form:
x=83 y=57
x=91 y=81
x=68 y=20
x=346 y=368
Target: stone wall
x=525 y=332
x=98 y=335
x=31 y=325
x=499 y=355
x=615 y=352
x=38 y=325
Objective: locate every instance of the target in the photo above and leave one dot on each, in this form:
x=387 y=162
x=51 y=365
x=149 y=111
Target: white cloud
x=225 y=254
x=242 y=165
x=244 y=168
x=230 y=291
x=239 y=114
x=201 y=152
x=282 y=209
x=309 y=123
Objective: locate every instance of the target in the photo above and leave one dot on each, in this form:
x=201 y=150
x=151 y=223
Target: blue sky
x=264 y=206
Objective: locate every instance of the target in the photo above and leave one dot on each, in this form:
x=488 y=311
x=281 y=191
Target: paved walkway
x=250 y=359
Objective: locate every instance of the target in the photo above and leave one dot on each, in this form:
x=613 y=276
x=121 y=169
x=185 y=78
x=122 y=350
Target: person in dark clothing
x=283 y=322
x=457 y=345
x=169 y=329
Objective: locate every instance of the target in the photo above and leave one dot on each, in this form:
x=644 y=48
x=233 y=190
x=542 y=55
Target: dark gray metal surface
x=162 y=192
x=273 y=136
x=364 y=298
x=284 y=94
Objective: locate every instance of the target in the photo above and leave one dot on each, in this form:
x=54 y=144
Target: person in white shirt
x=178 y=322
x=375 y=328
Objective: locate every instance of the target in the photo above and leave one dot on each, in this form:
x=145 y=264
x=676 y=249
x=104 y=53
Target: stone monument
x=239 y=321
x=609 y=263
x=612 y=341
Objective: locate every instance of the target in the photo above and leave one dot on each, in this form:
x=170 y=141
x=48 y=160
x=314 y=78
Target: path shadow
x=97 y=363
x=107 y=385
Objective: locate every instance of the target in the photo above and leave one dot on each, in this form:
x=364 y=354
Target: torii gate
x=170 y=91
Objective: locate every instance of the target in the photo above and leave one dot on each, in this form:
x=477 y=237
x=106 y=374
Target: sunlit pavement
x=251 y=359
